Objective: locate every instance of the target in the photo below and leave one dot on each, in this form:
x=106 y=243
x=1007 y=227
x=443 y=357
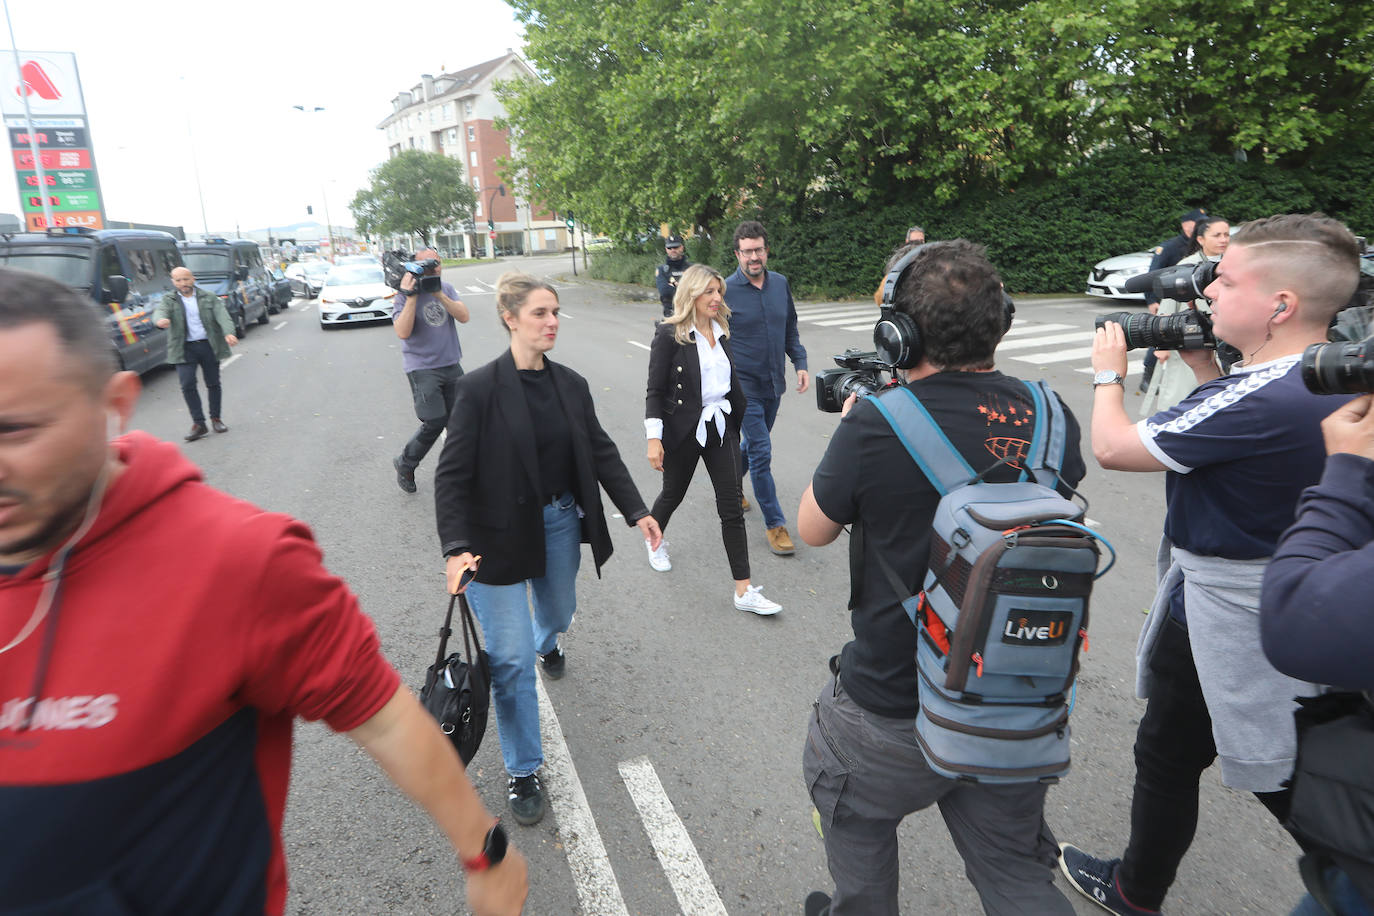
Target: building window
x=478 y=209
x=472 y=158
x=448 y=111
x=467 y=109
x=476 y=183
x=472 y=135
x=452 y=136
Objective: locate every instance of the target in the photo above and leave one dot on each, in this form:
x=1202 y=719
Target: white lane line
x=564 y=313
x=635 y=343
x=597 y=889
x=476 y=289
x=1022 y=328
x=279 y=325
x=676 y=853
x=849 y=310
x=1028 y=342
x=833 y=322
x=229 y=360
x=1056 y=356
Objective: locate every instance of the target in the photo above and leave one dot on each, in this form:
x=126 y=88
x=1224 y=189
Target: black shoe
x=817 y=904
x=218 y=425
x=198 y=431
x=526 y=799
x=1145 y=379
x=1096 y=879
x=405 y=477
x=555 y=663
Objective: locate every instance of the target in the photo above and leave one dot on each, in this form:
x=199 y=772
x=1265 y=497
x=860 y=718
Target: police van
x=233 y=270
x=126 y=272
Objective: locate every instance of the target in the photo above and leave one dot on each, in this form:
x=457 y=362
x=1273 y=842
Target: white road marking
x=635 y=343
x=1026 y=342
x=1134 y=366
x=597 y=889
x=229 y=360
x=476 y=289
x=1056 y=356
x=850 y=311
x=676 y=853
x=279 y=325
x=1022 y=328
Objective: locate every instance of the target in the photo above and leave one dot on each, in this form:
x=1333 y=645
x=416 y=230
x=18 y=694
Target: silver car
x=1107 y=277
x=355 y=292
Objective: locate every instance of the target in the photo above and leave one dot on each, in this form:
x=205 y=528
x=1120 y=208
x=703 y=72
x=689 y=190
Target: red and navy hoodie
x=147 y=774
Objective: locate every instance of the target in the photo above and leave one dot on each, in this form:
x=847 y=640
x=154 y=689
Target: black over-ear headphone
x=895 y=336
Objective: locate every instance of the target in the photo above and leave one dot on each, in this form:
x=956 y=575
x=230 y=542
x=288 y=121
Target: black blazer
x=674 y=391
x=486 y=488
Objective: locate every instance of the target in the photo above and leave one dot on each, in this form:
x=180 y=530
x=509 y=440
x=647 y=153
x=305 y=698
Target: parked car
x=1106 y=277
x=355 y=259
x=281 y=288
x=233 y=270
x=124 y=271
x=355 y=292
x=307 y=277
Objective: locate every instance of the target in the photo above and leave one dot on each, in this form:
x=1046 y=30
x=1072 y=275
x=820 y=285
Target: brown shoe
x=744 y=503
x=218 y=425
x=198 y=431
x=780 y=543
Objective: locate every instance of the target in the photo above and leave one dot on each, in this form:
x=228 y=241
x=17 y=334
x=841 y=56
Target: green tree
x=413 y=193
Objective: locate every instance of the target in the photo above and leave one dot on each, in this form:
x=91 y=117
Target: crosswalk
x=1039 y=343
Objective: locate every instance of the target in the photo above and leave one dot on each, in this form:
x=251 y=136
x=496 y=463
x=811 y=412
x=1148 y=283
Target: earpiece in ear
x=1281 y=307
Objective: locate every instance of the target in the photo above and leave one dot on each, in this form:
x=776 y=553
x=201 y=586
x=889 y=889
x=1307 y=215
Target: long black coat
x=487 y=490
x=674 y=388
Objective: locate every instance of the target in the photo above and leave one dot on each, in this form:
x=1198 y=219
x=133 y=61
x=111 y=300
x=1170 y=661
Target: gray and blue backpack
x=1004 y=607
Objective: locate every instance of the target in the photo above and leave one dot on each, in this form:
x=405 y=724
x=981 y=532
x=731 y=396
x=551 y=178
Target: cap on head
x=673 y=241
x=1193 y=216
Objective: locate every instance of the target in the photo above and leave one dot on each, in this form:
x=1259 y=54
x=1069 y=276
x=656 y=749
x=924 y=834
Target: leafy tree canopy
x=413 y=193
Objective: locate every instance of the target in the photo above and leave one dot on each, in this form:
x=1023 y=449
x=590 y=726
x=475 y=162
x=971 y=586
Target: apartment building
x=455 y=114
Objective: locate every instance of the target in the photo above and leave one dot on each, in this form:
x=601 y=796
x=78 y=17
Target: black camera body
x=396 y=264
x=1185 y=330
x=861 y=372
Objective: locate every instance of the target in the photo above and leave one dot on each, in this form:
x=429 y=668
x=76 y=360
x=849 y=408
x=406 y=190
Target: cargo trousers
x=865 y=773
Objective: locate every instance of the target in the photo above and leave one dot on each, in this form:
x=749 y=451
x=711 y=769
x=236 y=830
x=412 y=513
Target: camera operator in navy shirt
x=1238 y=452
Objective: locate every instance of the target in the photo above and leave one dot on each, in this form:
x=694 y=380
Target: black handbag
x=457 y=693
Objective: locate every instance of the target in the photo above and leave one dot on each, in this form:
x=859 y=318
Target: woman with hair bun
x=518 y=489
x=692 y=413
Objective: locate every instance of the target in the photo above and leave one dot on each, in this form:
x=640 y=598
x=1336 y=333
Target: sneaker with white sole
x=658 y=559
x=1097 y=880
x=753 y=601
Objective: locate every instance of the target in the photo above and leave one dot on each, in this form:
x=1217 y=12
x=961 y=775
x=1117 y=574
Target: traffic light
x=309 y=210
x=491 y=225
x=569 y=222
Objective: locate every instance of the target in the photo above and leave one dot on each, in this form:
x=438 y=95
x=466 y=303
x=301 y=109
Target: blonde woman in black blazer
x=692 y=412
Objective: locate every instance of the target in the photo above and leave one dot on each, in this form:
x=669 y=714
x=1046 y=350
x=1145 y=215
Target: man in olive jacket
x=201 y=333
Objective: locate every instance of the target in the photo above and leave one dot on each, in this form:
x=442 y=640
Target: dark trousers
x=200 y=353
x=1173 y=745
x=433 y=391
x=722 y=463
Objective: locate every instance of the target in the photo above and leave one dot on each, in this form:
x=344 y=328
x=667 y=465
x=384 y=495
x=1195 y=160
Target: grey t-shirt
x=433 y=344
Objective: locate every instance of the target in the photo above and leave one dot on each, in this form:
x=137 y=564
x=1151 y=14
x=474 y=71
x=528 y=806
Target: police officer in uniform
x=1166 y=254
x=670 y=271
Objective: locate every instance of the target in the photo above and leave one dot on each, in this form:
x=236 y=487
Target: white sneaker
x=658 y=559
x=752 y=600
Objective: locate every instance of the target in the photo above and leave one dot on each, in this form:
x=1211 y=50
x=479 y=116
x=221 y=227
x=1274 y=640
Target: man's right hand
x=163 y=322
x=501 y=890
x=408 y=282
x=1350 y=428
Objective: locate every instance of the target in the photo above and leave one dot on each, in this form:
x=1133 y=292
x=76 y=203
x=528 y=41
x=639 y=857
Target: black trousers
x=1173 y=745
x=722 y=463
x=200 y=353
x=433 y=391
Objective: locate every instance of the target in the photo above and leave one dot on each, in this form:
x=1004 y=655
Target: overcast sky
x=159 y=76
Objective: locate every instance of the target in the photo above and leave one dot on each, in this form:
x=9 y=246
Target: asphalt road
x=676 y=784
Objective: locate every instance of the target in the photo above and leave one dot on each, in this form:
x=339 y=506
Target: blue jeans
x=756 y=456
x=1344 y=896
x=513 y=639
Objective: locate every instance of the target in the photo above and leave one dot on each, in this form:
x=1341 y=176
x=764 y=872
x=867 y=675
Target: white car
x=354 y=292
x=1106 y=277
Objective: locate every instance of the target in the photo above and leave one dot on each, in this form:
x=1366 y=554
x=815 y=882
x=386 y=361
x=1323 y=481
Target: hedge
x=1042 y=237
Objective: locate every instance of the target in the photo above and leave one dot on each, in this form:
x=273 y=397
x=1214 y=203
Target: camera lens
x=1338 y=368
x=1181 y=331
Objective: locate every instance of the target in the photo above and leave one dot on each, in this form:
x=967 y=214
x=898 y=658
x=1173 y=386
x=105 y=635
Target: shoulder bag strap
x=923 y=439
x=1049 y=441
x=447 y=630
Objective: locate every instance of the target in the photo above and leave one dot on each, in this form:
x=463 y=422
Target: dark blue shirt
x=1240 y=450
x=763 y=327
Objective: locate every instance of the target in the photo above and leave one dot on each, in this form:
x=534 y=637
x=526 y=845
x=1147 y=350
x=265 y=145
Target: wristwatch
x=493 y=850
x=1108 y=377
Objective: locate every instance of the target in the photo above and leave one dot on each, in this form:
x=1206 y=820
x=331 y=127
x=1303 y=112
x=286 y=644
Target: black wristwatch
x=493 y=850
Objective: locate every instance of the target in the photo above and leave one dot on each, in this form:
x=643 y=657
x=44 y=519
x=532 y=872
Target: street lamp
x=491 y=219
x=328 y=223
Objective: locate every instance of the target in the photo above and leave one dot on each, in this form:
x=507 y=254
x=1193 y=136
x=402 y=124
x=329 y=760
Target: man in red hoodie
x=146 y=708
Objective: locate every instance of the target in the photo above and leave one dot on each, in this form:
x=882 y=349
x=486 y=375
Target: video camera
x=396 y=264
x=861 y=372
x=1187 y=329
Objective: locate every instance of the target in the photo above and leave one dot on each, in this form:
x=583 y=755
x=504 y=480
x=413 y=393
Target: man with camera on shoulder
x=863 y=764
x=1237 y=452
x=424 y=315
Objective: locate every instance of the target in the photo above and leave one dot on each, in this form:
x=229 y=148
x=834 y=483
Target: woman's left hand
x=652 y=533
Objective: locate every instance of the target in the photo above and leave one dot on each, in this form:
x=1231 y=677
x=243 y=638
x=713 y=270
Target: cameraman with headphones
x=1238 y=452
x=863 y=766
x=425 y=322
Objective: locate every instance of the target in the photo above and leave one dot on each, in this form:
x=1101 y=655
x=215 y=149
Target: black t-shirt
x=552 y=434
x=868 y=479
